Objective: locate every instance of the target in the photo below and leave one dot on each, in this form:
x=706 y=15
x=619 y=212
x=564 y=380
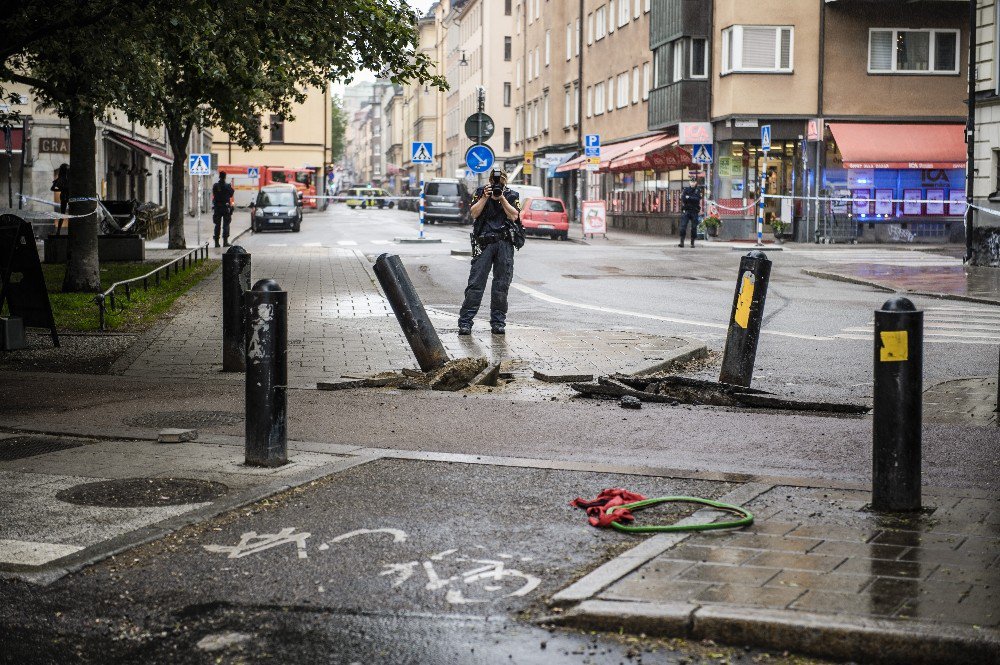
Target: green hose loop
x=745 y=520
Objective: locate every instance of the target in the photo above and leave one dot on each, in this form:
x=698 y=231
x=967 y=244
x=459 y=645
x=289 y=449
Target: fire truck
x=247 y=181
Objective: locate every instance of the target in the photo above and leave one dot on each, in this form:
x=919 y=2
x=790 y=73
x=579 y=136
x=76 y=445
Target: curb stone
x=888 y=289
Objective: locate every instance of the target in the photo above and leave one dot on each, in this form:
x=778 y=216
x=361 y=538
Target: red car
x=545 y=216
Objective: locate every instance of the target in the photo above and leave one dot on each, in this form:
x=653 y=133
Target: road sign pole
x=198 y=211
x=760 y=204
x=421 y=179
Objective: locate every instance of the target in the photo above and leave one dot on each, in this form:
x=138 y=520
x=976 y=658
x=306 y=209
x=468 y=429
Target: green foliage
x=339 y=127
x=778 y=226
x=711 y=223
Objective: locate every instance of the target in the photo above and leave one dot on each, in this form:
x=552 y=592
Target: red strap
x=609 y=498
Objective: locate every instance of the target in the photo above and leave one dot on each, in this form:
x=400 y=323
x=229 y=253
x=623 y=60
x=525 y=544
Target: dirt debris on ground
x=452 y=376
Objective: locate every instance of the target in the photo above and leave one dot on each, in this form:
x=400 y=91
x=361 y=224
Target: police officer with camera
x=496 y=233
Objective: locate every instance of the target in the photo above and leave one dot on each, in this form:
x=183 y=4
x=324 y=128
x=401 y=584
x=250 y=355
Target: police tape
x=988 y=211
x=43 y=214
x=851 y=199
x=363 y=198
x=748 y=206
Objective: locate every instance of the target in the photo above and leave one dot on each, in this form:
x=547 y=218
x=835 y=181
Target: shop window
x=893 y=51
x=757 y=48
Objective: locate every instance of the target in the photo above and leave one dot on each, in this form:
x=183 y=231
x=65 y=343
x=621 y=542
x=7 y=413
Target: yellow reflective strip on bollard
x=742 y=316
x=895 y=346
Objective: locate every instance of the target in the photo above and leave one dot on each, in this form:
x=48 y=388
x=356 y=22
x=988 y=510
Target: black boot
x=681 y=243
x=216 y=242
x=225 y=242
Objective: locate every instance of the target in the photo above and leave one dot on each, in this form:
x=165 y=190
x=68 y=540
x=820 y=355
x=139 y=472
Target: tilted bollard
x=235 y=281
x=745 y=321
x=899 y=362
x=267 y=374
x=405 y=302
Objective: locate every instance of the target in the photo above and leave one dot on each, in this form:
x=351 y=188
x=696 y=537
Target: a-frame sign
x=22 y=285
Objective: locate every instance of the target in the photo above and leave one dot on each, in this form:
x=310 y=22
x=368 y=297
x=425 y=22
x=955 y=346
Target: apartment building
x=422 y=107
x=392 y=135
x=985 y=241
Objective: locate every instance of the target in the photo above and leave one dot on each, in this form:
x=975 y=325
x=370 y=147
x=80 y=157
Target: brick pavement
x=340 y=324
x=971 y=401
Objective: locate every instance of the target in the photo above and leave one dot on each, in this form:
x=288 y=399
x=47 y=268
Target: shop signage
x=694 y=133
x=745 y=122
x=814 y=129
x=55 y=145
x=730 y=167
x=595 y=219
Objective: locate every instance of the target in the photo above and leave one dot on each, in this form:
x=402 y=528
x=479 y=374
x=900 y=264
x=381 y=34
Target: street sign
x=694 y=133
x=592 y=145
x=479 y=127
x=200 y=164
x=593 y=163
x=765 y=137
x=702 y=154
x=529 y=157
x=253 y=172
x=422 y=152
x=479 y=158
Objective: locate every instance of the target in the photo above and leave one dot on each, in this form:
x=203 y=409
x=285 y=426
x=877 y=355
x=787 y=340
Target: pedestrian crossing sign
x=199 y=164
x=702 y=154
x=422 y=152
x=253 y=172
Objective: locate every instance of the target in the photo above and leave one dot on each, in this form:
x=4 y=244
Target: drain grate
x=143 y=492
x=184 y=419
x=20 y=447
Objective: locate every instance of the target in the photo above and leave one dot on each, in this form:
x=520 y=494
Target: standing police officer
x=495 y=234
x=222 y=210
x=690 y=207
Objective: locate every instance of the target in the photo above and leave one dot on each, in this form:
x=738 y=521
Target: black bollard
x=405 y=302
x=744 y=323
x=897 y=412
x=266 y=307
x=235 y=281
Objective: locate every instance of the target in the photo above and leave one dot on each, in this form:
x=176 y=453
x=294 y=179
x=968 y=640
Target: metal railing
x=185 y=261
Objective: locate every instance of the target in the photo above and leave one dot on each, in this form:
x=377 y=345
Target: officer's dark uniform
x=690 y=207
x=222 y=193
x=494 y=251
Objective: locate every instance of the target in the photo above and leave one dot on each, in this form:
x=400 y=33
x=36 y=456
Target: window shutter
x=880 y=51
x=758 y=48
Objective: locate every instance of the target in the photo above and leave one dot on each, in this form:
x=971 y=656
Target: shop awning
x=147 y=148
x=608 y=152
x=16 y=140
x=661 y=154
x=885 y=146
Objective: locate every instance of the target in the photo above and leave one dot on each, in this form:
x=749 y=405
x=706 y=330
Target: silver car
x=446 y=200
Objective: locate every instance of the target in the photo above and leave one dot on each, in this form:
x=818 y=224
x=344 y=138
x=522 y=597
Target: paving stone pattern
x=340 y=324
x=821 y=551
x=962 y=402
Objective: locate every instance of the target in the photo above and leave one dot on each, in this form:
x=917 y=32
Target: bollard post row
x=266 y=375
x=235 y=282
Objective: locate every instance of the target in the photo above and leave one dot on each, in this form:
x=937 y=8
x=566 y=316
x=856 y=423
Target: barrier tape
x=988 y=211
x=364 y=198
x=839 y=199
x=748 y=206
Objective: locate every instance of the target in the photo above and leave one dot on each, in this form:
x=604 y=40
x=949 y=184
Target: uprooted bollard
x=410 y=313
x=745 y=321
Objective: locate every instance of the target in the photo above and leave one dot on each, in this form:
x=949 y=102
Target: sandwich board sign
x=22 y=284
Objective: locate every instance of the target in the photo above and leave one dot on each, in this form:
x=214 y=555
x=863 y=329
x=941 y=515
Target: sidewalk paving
x=968 y=283
x=816 y=573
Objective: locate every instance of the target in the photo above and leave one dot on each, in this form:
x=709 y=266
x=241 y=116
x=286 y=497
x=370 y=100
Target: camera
x=496 y=190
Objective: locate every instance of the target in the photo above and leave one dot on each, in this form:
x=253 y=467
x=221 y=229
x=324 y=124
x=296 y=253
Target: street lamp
x=463 y=62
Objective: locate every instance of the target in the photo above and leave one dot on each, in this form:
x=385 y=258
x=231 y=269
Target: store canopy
x=608 y=152
x=149 y=149
x=885 y=146
x=661 y=154
x=16 y=142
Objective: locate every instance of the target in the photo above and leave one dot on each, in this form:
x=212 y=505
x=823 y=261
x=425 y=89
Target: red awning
x=661 y=154
x=141 y=146
x=885 y=146
x=608 y=152
x=16 y=140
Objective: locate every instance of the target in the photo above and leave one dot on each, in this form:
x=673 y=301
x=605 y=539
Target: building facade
x=985 y=243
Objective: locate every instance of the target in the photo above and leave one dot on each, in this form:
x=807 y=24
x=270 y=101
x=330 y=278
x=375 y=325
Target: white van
x=526 y=191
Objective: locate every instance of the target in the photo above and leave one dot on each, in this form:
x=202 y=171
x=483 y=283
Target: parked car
x=545 y=216
x=411 y=204
x=368 y=197
x=446 y=200
x=276 y=207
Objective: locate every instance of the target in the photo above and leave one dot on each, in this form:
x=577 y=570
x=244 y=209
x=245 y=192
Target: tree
x=226 y=63
x=339 y=127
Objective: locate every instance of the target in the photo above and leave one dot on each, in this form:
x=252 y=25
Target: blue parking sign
x=480 y=158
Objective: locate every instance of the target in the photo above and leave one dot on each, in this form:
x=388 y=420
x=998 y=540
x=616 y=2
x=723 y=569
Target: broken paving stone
x=456 y=374
x=630 y=402
x=175 y=435
x=550 y=376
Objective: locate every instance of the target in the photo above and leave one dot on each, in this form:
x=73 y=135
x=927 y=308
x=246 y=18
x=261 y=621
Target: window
x=506 y=94
x=538 y=9
x=647 y=78
x=567 y=111
x=590 y=29
x=531 y=61
x=506 y=139
x=757 y=48
x=546 y=205
x=569 y=41
x=660 y=71
x=517 y=125
x=577 y=35
x=277 y=129
x=601 y=27
x=623 y=12
x=506 y=7
x=623 y=90
x=638 y=9
x=599 y=99
x=635 y=85
x=611 y=16
x=590 y=101
x=517 y=77
x=677 y=71
x=611 y=94
x=912 y=51
x=547 y=46
x=538 y=70
x=646 y=8
x=576 y=104
x=441 y=189
x=545 y=113
x=507 y=48
x=699 y=58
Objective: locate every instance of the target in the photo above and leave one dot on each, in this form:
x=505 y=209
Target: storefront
x=898 y=183
x=135 y=169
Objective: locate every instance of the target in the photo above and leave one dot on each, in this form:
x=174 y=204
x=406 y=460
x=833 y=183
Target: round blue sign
x=479 y=158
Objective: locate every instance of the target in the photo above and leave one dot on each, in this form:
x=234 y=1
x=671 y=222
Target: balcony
x=670 y=19
x=684 y=101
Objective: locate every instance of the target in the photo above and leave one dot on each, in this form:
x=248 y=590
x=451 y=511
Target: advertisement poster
x=860 y=205
x=911 y=201
x=839 y=204
x=935 y=201
x=956 y=205
x=595 y=219
x=883 y=202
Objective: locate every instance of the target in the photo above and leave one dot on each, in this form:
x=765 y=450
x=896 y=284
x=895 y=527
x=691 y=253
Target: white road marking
x=463 y=259
x=251 y=543
x=642 y=315
x=277 y=244
x=32 y=553
x=946 y=325
x=398 y=535
x=312 y=244
x=885 y=257
x=346 y=243
x=382 y=242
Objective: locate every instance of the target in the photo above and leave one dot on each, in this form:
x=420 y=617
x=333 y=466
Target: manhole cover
x=19 y=447
x=143 y=492
x=184 y=419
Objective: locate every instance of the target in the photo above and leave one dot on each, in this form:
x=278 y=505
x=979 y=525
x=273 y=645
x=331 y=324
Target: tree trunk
x=83 y=270
x=179 y=136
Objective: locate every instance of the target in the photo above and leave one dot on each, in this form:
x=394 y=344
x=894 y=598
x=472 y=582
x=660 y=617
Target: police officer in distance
x=496 y=233
x=690 y=208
